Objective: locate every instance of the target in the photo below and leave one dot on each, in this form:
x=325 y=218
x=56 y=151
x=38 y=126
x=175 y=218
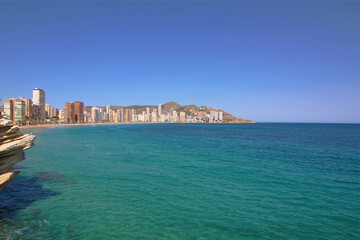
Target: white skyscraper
x=220 y=116
x=216 y=116
x=61 y=115
x=95 y=114
x=39 y=100
x=118 y=118
x=147 y=118
x=159 y=109
x=133 y=115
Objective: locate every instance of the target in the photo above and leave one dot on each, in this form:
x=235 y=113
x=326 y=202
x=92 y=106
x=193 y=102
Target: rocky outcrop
x=12 y=145
x=240 y=120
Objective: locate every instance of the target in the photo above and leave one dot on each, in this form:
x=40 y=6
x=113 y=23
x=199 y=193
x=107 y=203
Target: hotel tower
x=39 y=100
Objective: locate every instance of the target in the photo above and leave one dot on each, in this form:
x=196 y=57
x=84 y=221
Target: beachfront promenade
x=66 y=125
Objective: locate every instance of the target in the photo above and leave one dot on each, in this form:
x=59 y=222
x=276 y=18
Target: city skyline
x=50 y=111
x=265 y=61
x=34 y=111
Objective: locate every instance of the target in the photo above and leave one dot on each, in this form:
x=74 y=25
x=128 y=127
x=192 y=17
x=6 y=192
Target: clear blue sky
x=266 y=61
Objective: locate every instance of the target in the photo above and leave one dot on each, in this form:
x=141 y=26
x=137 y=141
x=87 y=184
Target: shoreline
x=94 y=124
x=65 y=125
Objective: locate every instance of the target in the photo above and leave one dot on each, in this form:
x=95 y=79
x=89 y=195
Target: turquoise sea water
x=187 y=181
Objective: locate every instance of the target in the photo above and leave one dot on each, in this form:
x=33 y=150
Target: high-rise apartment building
x=78 y=112
x=147 y=117
x=220 y=116
x=122 y=115
x=36 y=112
x=127 y=115
x=61 y=116
x=216 y=116
x=118 y=115
x=143 y=116
x=87 y=115
x=154 y=115
x=133 y=115
x=19 y=113
x=212 y=116
x=9 y=109
x=95 y=117
x=111 y=115
x=39 y=99
x=28 y=108
x=48 y=110
x=74 y=112
x=104 y=116
x=69 y=112
x=139 y=117
x=174 y=116
x=54 y=112
x=159 y=109
x=162 y=118
x=182 y=117
x=168 y=117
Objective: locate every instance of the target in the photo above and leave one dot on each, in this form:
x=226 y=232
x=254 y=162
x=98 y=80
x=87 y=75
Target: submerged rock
x=53 y=177
x=12 y=144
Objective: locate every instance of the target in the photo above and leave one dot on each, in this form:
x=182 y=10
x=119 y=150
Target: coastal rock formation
x=12 y=145
x=240 y=120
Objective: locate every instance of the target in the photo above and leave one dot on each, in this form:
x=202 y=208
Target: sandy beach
x=66 y=125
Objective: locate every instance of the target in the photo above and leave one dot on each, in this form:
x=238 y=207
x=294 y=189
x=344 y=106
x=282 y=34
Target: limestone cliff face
x=12 y=145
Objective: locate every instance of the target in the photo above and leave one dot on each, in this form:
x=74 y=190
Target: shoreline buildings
x=27 y=109
x=36 y=109
x=74 y=112
x=148 y=114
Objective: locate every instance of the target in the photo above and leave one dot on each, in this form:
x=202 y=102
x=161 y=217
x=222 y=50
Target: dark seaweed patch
x=53 y=177
x=19 y=195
